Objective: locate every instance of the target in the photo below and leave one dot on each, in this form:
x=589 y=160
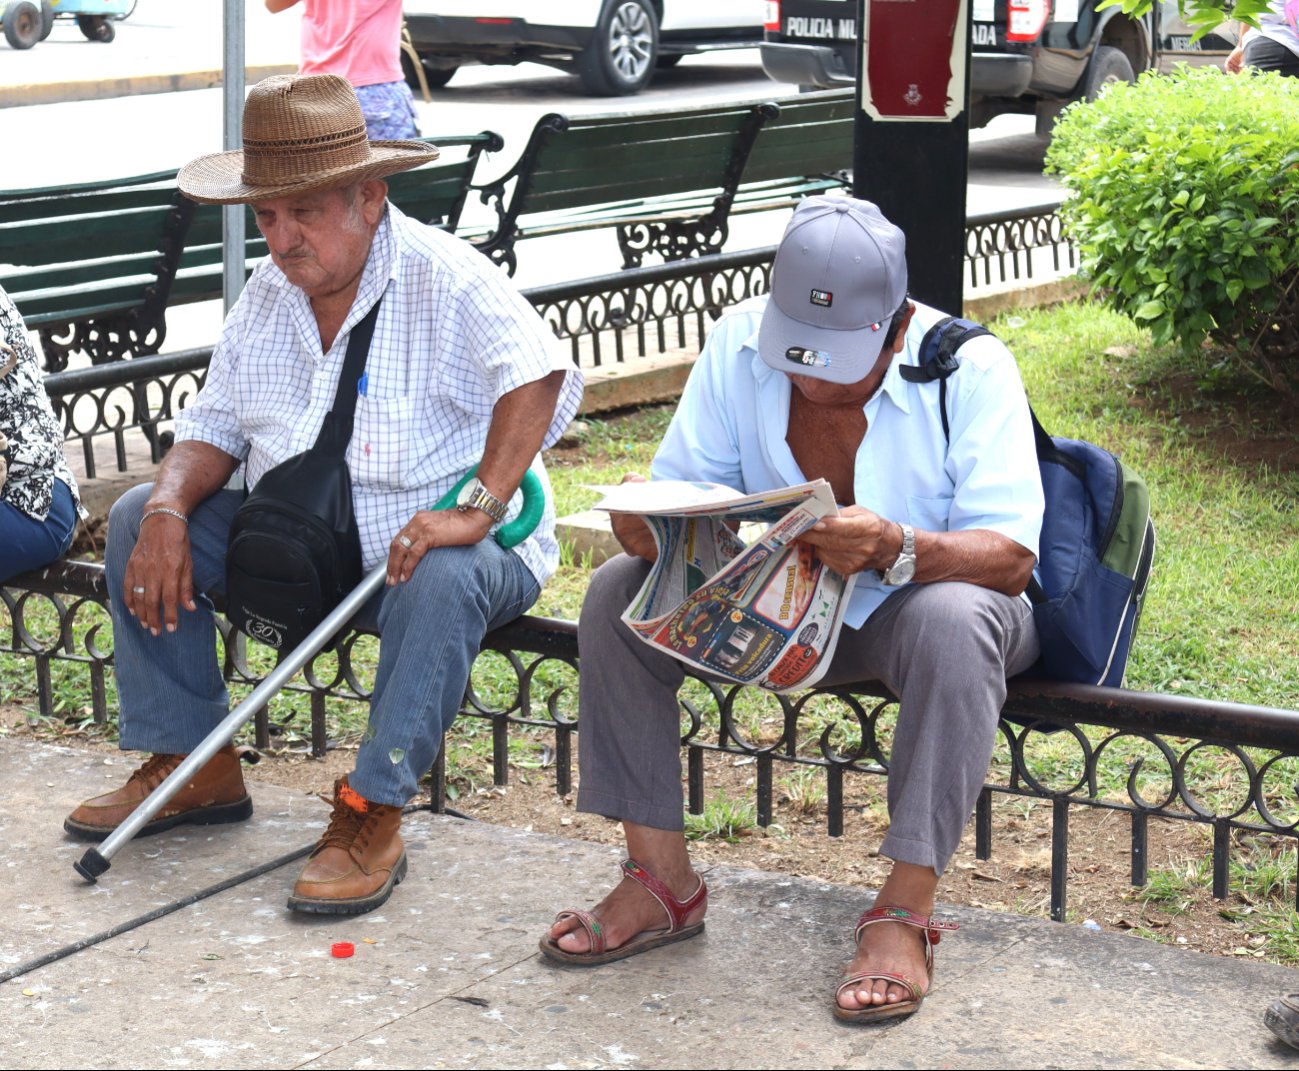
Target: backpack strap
x=938 y=357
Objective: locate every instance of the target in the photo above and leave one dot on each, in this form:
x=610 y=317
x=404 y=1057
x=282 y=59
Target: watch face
x=467 y=492
x=901 y=572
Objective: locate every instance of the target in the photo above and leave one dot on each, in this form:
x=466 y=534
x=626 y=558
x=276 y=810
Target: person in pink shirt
x=359 y=40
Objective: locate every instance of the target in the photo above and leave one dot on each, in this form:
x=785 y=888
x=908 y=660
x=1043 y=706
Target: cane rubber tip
x=91 y=865
x=341 y=949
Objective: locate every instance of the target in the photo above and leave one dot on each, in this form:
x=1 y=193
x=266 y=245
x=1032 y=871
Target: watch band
x=476 y=496
x=904 y=567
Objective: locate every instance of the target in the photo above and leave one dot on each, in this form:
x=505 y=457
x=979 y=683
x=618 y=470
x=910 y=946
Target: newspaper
x=767 y=613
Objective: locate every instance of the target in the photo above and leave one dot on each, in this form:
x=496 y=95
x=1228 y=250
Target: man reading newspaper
x=941 y=538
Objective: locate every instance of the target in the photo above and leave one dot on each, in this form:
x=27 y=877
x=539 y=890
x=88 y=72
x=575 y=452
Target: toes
x=569 y=934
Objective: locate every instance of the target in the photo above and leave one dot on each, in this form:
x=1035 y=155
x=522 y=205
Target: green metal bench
x=665 y=180
x=90 y=264
x=806 y=149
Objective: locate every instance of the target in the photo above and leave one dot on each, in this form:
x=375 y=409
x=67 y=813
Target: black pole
x=916 y=170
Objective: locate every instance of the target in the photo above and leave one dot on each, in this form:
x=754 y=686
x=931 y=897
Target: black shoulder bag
x=294 y=550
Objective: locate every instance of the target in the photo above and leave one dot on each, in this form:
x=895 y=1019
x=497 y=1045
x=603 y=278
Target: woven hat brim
x=217 y=178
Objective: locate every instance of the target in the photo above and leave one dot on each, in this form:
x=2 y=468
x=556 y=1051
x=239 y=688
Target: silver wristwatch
x=475 y=496
x=902 y=570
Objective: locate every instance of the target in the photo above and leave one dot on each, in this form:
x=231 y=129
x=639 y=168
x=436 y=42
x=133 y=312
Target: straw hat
x=301 y=133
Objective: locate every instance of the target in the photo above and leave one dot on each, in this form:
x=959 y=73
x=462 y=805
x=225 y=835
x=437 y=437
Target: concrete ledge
x=640 y=381
x=105 y=88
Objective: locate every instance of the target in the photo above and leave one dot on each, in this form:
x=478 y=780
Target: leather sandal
x=931 y=932
x=677 y=930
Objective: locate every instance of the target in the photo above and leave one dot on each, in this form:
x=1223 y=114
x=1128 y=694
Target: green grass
x=723 y=818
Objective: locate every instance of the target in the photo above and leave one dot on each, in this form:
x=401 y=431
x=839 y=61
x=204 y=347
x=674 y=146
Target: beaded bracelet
x=169 y=512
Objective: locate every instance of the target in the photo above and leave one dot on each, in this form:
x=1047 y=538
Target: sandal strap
x=591 y=924
x=677 y=910
x=852 y=981
x=933 y=928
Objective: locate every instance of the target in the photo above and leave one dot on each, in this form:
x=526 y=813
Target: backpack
x=1097 y=542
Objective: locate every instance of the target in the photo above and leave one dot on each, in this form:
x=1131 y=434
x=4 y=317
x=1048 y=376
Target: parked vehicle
x=27 y=22
x=614 y=46
x=1029 y=56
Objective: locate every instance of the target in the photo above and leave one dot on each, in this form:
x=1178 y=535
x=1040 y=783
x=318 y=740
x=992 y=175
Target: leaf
x=1151 y=310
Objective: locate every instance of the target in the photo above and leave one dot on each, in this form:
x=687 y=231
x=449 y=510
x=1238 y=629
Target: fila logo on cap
x=822 y=297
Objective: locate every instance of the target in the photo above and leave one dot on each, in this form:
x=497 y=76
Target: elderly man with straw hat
x=460 y=371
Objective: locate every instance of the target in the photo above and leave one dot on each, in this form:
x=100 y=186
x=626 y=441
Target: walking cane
x=97 y=860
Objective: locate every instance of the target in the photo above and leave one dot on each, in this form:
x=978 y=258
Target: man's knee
x=948 y=623
x=124 y=524
x=611 y=589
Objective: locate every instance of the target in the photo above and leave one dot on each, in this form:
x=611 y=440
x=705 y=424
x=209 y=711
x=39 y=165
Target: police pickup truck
x=1029 y=56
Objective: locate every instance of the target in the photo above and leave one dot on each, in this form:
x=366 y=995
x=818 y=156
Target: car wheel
x=1108 y=66
x=434 y=77
x=47 y=18
x=22 y=20
x=621 y=56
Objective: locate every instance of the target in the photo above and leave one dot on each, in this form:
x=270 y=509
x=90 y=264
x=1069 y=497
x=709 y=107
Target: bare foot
x=626 y=912
x=886 y=948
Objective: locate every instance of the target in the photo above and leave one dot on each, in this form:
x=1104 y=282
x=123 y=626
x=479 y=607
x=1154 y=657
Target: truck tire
x=47 y=18
x=1109 y=65
x=623 y=51
x=22 y=20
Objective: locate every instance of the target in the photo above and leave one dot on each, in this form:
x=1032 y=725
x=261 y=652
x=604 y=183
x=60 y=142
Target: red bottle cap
x=341 y=949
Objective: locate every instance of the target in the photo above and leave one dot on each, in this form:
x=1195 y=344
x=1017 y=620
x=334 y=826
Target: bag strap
x=938 y=358
x=336 y=432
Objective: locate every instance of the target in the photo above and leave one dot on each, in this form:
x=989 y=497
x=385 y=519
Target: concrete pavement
x=447 y=974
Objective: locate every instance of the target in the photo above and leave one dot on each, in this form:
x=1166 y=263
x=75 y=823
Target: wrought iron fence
x=1071 y=745
x=606 y=320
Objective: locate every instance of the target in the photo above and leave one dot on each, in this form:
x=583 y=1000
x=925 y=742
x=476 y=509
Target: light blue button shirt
x=731 y=424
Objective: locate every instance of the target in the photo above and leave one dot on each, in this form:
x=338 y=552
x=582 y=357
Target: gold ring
x=404 y=541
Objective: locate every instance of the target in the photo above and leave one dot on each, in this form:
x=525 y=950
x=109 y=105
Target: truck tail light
x=771 y=22
x=1025 y=19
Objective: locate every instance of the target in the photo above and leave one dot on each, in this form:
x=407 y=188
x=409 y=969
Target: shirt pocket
x=931 y=514
x=379 y=453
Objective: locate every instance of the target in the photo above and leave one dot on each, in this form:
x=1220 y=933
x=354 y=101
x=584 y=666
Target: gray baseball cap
x=840 y=274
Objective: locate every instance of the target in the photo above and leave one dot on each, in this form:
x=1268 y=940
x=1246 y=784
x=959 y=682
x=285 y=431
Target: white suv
x=613 y=45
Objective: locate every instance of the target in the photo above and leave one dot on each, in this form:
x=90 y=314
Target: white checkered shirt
x=452 y=337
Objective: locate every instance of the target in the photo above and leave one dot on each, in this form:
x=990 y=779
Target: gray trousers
x=944 y=649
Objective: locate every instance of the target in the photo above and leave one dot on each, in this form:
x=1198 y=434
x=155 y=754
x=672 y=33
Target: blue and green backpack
x=1097 y=542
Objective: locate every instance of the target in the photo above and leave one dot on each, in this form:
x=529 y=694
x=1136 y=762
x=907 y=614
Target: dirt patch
x=1015 y=879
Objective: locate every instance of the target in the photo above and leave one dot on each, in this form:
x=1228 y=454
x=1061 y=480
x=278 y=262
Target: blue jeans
x=28 y=544
x=170 y=689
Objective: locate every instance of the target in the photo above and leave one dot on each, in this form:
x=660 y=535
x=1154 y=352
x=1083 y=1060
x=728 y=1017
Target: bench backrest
x=812 y=135
x=574 y=162
x=80 y=251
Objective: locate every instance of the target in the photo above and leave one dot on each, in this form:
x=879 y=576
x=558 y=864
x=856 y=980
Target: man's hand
x=160 y=573
x=429 y=529
x=1235 y=62
x=855 y=540
x=632 y=533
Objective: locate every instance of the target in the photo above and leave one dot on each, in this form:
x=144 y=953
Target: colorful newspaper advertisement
x=765 y=613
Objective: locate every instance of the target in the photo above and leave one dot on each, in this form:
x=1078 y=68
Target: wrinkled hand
x=429 y=529
x=854 y=541
x=632 y=533
x=162 y=570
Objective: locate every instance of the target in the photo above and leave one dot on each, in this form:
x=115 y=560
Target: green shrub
x=1186 y=197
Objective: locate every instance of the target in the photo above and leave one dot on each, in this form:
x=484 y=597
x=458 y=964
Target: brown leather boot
x=358 y=861
x=215 y=795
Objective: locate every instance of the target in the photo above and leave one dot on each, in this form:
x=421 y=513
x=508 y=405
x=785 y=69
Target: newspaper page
x=765 y=613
